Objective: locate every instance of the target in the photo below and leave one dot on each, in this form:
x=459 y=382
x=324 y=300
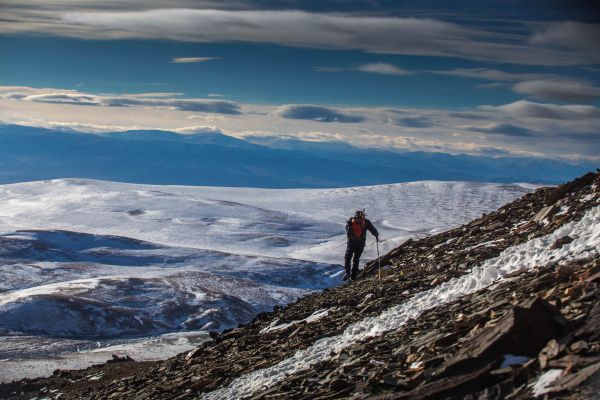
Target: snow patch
x=563 y=210
x=314 y=317
x=543 y=383
x=587 y=197
x=437 y=246
x=484 y=244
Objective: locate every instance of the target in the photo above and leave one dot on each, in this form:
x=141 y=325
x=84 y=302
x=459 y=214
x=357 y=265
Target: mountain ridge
x=214 y=159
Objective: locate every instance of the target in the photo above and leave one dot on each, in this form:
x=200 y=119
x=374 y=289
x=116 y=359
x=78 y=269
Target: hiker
x=356 y=230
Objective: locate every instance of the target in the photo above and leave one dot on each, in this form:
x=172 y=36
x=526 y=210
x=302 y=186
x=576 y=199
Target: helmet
x=360 y=214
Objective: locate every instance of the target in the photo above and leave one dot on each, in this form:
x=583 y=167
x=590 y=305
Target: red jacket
x=353 y=225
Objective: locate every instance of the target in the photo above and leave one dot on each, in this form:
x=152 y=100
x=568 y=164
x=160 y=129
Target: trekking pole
x=378 y=259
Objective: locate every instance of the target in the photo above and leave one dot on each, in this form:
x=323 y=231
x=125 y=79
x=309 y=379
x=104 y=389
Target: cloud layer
x=150 y=100
x=575 y=91
x=553 y=43
x=542 y=86
x=521 y=128
x=391 y=35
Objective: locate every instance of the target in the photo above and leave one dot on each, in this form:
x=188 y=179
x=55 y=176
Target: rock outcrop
x=535 y=332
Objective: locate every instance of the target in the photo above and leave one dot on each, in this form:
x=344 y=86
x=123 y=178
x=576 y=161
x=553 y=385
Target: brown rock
x=549 y=352
x=340 y=384
x=523 y=331
x=572 y=381
x=560 y=242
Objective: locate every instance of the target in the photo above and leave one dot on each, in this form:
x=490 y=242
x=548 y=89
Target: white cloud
x=198 y=129
x=562 y=90
x=377 y=34
x=69 y=98
x=317 y=136
x=70 y=126
x=138 y=100
x=383 y=69
x=297 y=28
x=554 y=43
x=528 y=109
x=187 y=60
x=539 y=85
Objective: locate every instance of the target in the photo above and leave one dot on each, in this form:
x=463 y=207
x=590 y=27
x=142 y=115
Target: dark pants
x=353 y=252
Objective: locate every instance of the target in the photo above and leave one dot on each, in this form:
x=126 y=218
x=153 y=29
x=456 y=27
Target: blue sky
x=267 y=74
x=496 y=77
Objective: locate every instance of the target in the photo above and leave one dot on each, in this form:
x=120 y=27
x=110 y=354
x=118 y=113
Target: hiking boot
x=346 y=276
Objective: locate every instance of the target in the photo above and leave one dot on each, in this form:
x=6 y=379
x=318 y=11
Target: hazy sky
x=479 y=77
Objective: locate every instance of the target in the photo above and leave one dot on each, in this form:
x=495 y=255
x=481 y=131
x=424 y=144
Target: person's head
x=359 y=214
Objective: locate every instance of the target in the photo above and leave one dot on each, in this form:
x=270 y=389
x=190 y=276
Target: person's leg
x=348 y=259
x=358 y=249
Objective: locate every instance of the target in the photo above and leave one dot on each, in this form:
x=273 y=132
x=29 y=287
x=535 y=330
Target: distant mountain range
x=214 y=159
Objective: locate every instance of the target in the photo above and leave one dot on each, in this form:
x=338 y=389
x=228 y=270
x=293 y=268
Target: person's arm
x=348 y=228
x=372 y=229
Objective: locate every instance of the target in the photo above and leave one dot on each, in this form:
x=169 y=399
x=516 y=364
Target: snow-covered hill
x=108 y=266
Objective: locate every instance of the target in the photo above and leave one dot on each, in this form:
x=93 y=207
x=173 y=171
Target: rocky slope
x=503 y=307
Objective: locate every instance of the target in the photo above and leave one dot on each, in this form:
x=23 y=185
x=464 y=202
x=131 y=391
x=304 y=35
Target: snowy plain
x=93 y=268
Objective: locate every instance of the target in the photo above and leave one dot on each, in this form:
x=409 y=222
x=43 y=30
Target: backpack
x=357 y=226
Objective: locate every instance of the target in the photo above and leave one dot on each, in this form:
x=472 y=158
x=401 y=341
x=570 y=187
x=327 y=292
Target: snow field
x=78 y=354
x=534 y=253
x=305 y=224
x=110 y=260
